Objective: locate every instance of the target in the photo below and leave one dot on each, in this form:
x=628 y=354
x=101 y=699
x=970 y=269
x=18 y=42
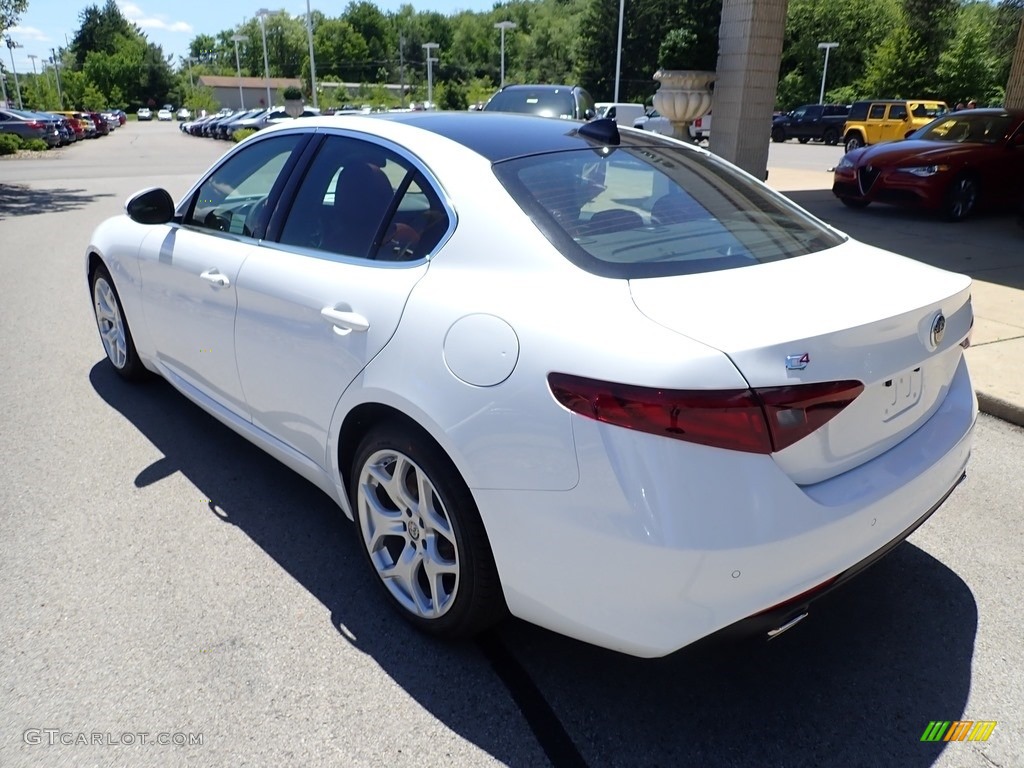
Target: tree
x=10 y=12
x=966 y=67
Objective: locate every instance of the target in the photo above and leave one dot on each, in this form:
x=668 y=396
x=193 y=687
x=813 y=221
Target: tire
x=803 y=140
x=831 y=137
x=961 y=198
x=853 y=141
x=115 y=333
x=855 y=202
x=778 y=135
x=392 y=466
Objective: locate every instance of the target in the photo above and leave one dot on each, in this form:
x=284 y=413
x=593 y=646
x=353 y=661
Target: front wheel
x=831 y=137
x=854 y=141
x=778 y=135
x=803 y=140
x=422 y=534
x=961 y=199
x=113 y=327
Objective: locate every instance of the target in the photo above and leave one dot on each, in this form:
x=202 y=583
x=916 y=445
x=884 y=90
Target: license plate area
x=901 y=393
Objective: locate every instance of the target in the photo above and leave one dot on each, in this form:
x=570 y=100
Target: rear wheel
x=853 y=141
x=422 y=534
x=855 y=202
x=803 y=140
x=961 y=198
x=113 y=327
x=831 y=137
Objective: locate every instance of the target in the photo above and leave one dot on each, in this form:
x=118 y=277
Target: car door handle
x=215 y=277
x=345 y=322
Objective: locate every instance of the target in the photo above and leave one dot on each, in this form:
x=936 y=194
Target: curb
x=1000 y=408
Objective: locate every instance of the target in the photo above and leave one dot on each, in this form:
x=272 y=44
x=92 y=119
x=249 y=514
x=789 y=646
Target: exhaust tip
x=773 y=633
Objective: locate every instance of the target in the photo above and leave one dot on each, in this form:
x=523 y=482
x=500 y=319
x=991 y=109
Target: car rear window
x=967 y=127
x=654 y=210
x=547 y=102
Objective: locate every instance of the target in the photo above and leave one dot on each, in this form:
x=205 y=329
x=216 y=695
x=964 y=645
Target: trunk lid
x=853 y=312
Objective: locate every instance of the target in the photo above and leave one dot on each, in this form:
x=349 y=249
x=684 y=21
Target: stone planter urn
x=683 y=96
x=294 y=107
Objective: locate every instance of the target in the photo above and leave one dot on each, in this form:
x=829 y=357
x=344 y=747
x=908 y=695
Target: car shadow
x=986 y=246
x=22 y=200
x=855 y=684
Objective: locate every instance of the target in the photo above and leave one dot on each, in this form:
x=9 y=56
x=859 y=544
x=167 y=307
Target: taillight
x=760 y=420
x=34 y=124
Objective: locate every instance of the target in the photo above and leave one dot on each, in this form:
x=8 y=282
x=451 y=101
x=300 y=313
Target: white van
x=623 y=114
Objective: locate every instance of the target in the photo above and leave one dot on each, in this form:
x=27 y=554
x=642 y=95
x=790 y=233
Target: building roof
x=220 y=81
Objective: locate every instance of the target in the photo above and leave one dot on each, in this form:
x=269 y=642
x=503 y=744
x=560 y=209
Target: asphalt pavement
x=163 y=580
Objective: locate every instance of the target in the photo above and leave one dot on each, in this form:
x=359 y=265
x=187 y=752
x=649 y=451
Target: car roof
x=500 y=136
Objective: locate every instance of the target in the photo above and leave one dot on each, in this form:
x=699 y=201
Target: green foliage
x=452 y=96
x=35 y=145
x=242 y=134
x=200 y=98
x=10 y=12
x=291 y=93
x=9 y=143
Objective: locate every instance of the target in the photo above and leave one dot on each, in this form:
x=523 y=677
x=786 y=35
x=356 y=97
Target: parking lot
x=161 y=576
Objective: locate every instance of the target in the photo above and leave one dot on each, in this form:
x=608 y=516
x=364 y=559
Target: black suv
x=569 y=101
x=820 y=122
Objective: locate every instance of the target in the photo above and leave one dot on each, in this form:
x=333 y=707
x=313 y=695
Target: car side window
x=341 y=205
x=234 y=197
x=898 y=112
x=877 y=112
x=417 y=226
x=798 y=114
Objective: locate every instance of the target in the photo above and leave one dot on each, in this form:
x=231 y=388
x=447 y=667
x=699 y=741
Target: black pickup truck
x=820 y=122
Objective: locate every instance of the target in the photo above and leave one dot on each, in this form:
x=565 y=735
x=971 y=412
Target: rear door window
x=877 y=112
x=898 y=112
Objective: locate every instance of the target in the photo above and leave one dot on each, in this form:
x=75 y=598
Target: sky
x=172 y=24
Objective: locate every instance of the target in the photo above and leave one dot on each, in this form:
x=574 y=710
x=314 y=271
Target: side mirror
x=150 y=206
x=589 y=114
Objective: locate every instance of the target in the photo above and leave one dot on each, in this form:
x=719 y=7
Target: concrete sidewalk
x=988 y=247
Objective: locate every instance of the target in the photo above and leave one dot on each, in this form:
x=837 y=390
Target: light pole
x=11 y=45
x=3 y=88
x=618 y=50
x=312 y=61
x=35 y=77
x=236 y=39
x=827 y=47
x=503 y=25
x=56 y=73
x=263 y=13
x=428 y=47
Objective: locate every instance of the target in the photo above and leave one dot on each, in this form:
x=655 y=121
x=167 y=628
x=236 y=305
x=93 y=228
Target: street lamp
x=827 y=47
x=503 y=25
x=618 y=50
x=56 y=73
x=263 y=13
x=236 y=39
x=312 y=61
x=11 y=45
x=428 y=47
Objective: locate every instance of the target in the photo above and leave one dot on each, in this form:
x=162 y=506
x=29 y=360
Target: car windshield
x=650 y=211
x=927 y=110
x=965 y=127
x=547 y=102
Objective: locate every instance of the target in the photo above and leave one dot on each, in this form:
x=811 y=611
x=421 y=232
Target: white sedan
x=164 y=115
x=594 y=377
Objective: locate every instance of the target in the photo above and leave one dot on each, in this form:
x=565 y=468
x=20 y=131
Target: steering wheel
x=255 y=225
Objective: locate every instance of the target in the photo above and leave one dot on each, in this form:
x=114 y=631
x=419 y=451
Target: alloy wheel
x=408 y=534
x=110 y=323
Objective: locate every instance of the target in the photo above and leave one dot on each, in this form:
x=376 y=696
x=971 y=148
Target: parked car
x=246 y=120
x=278 y=115
x=165 y=115
x=567 y=101
x=655 y=122
x=811 y=122
x=878 y=120
x=102 y=126
x=955 y=164
x=84 y=122
x=29 y=125
x=183 y=114
x=144 y=114
x=714 y=455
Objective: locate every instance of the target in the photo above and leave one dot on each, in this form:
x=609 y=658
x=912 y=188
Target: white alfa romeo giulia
x=597 y=378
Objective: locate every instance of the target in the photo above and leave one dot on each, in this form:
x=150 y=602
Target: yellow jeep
x=878 y=120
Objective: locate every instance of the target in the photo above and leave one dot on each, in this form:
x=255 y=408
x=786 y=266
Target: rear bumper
x=663 y=542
